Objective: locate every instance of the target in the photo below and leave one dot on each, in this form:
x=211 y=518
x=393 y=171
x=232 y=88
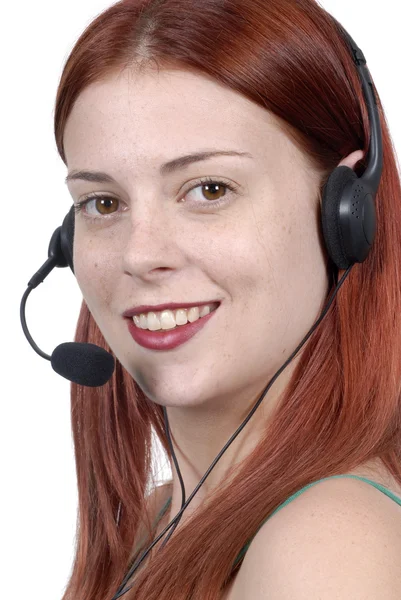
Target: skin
x=261 y=253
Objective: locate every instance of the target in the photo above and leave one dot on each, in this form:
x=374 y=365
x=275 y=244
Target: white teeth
x=166 y=321
x=154 y=323
x=181 y=317
x=169 y=319
x=193 y=314
x=205 y=310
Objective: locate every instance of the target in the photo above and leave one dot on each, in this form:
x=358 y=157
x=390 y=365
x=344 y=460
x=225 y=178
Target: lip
x=167 y=339
x=138 y=310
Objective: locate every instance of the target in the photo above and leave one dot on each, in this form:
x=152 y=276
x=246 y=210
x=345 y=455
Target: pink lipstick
x=167 y=339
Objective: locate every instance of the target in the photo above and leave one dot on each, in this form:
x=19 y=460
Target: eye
x=210 y=187
x=106 y=206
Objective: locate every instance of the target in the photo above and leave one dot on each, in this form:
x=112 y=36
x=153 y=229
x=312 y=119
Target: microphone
x=84 y=364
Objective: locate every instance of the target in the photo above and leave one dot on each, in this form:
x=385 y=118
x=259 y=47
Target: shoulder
x=158 y=497
x=341 y=538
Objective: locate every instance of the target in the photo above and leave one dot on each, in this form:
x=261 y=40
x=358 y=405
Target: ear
x=351 y=160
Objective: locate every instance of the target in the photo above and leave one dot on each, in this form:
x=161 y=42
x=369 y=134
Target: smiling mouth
x=172 y=320
x=167 y=339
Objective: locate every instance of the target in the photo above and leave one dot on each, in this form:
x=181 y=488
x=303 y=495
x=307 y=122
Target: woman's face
x=259 y=253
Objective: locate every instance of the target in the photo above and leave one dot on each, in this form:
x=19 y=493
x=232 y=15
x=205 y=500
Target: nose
x=151 y=244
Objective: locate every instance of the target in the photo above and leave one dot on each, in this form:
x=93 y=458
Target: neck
x=199 y=433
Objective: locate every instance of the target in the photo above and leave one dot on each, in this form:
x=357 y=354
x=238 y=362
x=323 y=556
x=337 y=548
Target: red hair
x=342 y=405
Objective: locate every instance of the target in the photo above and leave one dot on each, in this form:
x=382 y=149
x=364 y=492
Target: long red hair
x=342 y=406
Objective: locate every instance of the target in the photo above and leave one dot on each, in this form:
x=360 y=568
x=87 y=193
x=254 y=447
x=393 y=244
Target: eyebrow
x=166 y=168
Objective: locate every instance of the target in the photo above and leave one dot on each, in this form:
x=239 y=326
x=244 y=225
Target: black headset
x=348 y=219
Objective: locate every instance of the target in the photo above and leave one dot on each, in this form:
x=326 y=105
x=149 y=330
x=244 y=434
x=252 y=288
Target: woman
x=272 y=87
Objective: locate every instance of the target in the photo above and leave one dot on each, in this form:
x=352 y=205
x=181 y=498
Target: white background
x=38 y=492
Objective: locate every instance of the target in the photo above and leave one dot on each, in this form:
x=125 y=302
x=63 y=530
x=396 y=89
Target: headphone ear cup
x=67 y=237
x=333 y=194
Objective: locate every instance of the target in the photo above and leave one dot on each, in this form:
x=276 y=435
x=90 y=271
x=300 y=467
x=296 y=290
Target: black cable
x=178 y=472
x=120 y=592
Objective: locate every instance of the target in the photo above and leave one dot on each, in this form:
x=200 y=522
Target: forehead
x=159 y=114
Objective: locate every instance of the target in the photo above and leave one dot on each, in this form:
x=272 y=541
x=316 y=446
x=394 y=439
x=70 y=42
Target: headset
x=348 y=218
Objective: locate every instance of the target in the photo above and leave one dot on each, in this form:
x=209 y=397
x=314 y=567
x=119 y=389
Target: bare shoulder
x=158 y=497
x=339 y=539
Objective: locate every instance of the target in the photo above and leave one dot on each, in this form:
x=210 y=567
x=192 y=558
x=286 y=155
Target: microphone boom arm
x=23 y=321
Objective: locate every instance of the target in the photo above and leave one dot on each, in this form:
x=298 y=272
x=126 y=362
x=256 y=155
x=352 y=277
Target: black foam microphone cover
x=85 y=364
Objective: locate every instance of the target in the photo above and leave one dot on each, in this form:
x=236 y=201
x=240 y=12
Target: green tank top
x=290 y=499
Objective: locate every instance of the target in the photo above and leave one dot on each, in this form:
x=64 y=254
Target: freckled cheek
x=93 y=274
